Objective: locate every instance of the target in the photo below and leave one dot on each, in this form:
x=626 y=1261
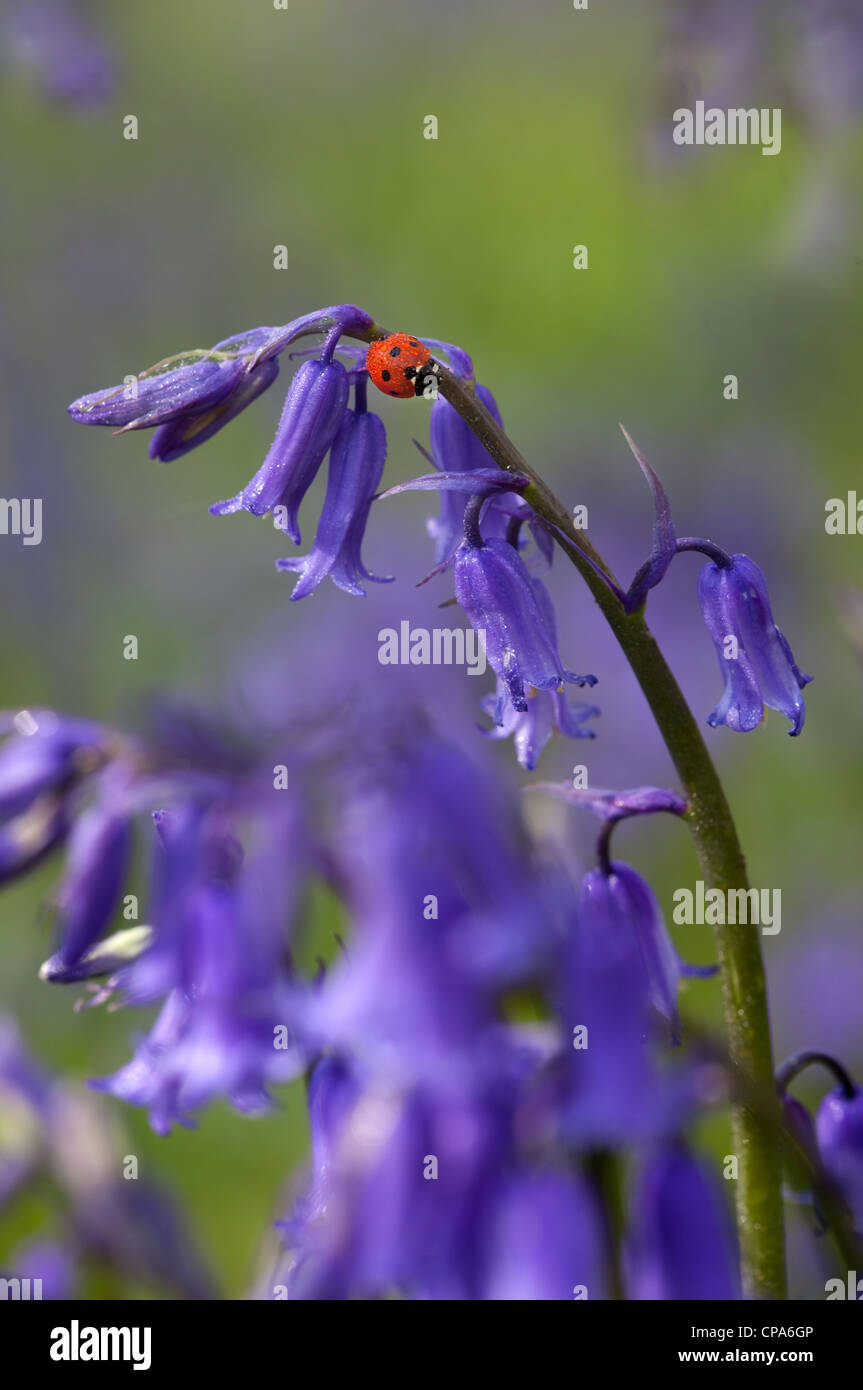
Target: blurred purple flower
x=839 y=1130
x=682 y=1245
x=73 y=64
x=455 y=449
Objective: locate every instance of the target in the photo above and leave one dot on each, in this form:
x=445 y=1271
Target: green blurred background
x=260 y=127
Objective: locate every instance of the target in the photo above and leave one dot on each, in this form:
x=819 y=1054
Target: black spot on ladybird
x=395 y=352
x=385 y=376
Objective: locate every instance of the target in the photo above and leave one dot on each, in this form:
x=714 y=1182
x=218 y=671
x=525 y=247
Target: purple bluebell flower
x=356 y=464
x=192 y=395
x=609 y=1089
x=25 y=1094
x=405 y=1202
x=177 y=390
x=501 y=601
x=839 y=1130
x=754 y=656
x=548 y=712
x=544 y=1240
x=313 y=413
x=185 y=432
x=455 y=449
x=42 y=764
x=618 y=902
x=98 y=860
x=218 y=952
x=682 y=1244
x=72 y=62
x=49 y=1262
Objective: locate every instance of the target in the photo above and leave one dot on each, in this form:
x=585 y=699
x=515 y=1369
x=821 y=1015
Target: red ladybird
x=399 y=365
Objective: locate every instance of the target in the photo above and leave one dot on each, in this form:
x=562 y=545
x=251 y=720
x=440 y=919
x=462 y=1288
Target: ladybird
x=399 y=365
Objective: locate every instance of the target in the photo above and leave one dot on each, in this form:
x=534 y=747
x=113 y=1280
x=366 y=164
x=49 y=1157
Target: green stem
x=744 y=990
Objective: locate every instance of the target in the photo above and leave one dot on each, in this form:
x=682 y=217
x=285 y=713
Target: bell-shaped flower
x=619 y=905
x=42 y=763
x=356 y=464
x=502 y=602
x=682 y=1244
x=455 y=449
x=548 y=712
x=754 y=656
x=839 y=1130
x=313 y=412
x=97 y=862
x=543 y=1240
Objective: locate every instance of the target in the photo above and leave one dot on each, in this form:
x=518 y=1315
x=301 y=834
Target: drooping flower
x=190 y=391
x=548 y=712
x=312 y=416
x=839 y=1130
x=543 y=1239
x=754 y=656
x=98 y=860
x=71 y=60
x=682 y=1245
x=217 y=953
x=455 y=449
x=495 y=590
x=356 y=464
x=189 y=396
x=618 y=903
x=42 y=764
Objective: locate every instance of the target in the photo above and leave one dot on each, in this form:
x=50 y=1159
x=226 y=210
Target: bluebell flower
x=609 y=1090
x=407 y=1199
x=313 y=413
x=49 y=1261
x=356 y=464
x=547 y=710
x=502 y=602
x=25 y=1100
x=543 y=1239
x=189 y=396
x=218 y=954
x=618 y=903
x=455 y=449
x=754 y=656
x=682 y=1245
x=178 y=391
x=42 y=764
x=98 y=861
x=71 y=60
x=839 y=1131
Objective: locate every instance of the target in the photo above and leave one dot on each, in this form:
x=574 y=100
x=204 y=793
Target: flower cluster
x=452 y=1138
x=495 y=1048
x=480 y=533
